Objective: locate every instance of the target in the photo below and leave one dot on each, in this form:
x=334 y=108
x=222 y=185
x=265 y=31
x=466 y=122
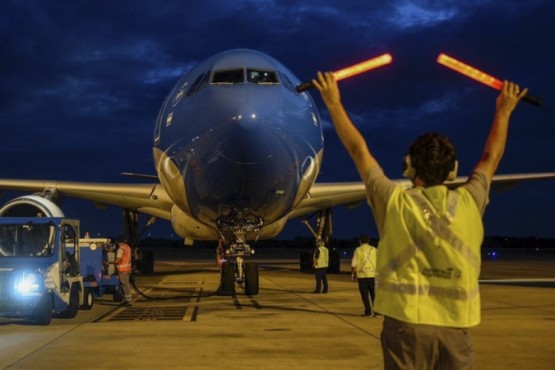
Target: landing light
x=353 y=70
x=479 y=76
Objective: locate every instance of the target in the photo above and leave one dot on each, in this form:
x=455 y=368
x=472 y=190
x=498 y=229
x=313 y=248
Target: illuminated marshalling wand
x=479 y=76
x=353 y=70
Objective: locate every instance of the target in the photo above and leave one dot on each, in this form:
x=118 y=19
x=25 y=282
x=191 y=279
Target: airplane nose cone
x=247 y=139
x=248 y=156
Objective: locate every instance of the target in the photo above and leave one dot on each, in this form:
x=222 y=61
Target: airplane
x=237 y=151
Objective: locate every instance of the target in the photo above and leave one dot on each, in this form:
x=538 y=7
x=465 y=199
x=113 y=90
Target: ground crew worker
x=429 y=252
x=124 y=265
x=221 y=256
x=363 y=269
x=320 y=263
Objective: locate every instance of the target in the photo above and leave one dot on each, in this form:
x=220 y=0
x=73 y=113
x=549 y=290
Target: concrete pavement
x=283 y=327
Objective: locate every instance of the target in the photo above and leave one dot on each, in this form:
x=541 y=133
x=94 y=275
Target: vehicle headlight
x=28 y=283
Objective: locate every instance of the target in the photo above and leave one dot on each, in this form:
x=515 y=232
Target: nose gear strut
x=235 y=270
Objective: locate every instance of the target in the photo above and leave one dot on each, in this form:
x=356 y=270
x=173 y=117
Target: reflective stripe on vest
x=125 y=264
x=365 y=261
x=440 y=225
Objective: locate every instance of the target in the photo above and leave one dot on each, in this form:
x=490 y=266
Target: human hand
x=509 y=97
x=326 y=84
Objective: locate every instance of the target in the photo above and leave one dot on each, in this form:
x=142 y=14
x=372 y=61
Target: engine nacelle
x=188 y=228
x=30 y=206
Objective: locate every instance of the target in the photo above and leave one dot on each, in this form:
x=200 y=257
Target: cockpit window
x=228 y=76
x=200 y=82
x=260 y=76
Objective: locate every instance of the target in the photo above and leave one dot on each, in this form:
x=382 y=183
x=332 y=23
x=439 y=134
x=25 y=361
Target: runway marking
x=194 y=309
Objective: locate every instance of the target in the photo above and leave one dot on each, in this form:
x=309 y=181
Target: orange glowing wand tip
x=479 y=76
x=353 y=70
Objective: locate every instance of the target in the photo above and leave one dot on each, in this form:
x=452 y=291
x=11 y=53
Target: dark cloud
x=81 y=82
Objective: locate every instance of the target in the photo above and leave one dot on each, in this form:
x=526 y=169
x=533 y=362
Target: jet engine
x=30 y=206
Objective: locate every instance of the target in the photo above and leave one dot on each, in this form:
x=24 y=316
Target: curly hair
x=433 y=156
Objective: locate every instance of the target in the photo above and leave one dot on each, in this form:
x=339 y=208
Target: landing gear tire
x=42 y=313
x=227 y=285
x=251 y=278
x=88 y=299
x=73 y=305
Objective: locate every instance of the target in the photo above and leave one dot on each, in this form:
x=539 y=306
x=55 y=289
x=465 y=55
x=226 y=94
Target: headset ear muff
x=453 y=173
x=408 y=169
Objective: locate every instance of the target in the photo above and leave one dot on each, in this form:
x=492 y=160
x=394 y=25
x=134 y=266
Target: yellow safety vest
x=429 y=258
x=365 y=258
x=323 y=258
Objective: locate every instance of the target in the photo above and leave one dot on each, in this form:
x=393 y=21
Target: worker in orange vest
x=124 y=265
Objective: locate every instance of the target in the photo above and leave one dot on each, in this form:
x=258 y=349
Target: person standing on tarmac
x=124 y=265
x=363 y=269
x=221 y=249
x=320 y=263
x=430 y=236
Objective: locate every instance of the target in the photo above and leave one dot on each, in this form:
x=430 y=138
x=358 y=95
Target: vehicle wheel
x=73 y=305
x=227 y=285
x=251 y=278
x=88 y=299
x=42 y=313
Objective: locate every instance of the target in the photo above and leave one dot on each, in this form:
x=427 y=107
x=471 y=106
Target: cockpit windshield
x=26 y=240
x=236 y=76
x=261 y=76
x=228 y=76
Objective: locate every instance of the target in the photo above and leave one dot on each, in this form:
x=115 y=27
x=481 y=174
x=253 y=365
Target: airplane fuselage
x=236 y=147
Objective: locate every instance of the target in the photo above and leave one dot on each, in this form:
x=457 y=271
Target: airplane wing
x=327 y=195
x=153 y=200
x=150 y=199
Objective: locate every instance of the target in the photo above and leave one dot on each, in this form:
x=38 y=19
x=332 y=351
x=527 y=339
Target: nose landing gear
x=236 y=271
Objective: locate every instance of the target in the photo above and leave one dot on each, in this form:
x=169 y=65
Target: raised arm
x=349 y=135
x=506 y=102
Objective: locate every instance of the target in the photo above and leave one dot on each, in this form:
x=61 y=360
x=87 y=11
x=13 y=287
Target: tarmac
x=180 y=323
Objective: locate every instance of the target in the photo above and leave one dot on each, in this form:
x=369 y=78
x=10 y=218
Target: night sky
x=81 y=83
